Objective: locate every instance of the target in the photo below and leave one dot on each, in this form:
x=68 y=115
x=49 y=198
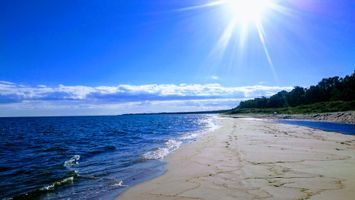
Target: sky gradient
x=112 y=57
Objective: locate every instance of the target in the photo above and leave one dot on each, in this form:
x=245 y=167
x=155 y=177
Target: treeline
x=329 y=89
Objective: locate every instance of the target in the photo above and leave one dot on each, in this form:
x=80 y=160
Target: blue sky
x=47 y=48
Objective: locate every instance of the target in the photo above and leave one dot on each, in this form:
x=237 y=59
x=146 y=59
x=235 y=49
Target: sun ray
x=243 y=14
x=260 y=30
x=224 y=40
x=211 y=4
x=243 y=35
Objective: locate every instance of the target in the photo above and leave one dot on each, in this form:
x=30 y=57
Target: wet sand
x=257 y=159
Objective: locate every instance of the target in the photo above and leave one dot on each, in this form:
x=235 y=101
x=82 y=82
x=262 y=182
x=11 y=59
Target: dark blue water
x=88 y=157
x=348 y=129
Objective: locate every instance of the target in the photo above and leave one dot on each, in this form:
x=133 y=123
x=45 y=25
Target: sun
x=241 y=16
x=247 y=11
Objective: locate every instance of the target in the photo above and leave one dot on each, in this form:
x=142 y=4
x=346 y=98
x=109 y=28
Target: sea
x=89 y=157
x=347 y=129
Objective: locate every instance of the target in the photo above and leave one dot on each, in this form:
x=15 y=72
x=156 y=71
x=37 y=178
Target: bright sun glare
x=247 y=11
x=241 y=15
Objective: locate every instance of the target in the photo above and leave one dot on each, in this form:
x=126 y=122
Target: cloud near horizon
x=18 y=99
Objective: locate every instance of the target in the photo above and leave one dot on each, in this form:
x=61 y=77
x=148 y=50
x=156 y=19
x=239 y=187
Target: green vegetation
x=329 y=95
x=332 y=106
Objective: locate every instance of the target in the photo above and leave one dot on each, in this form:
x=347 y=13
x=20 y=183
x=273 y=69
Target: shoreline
x=347 y=117
x=256 y=158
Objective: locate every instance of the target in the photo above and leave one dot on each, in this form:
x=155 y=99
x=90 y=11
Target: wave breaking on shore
x=172 y=145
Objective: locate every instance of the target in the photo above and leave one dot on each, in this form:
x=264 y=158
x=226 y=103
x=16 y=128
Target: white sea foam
x=68 y=180
x=209 y=124
x=156 y=154
x=161 y=152
x=212 y=123
x=190 y=136
x=173 y=144
x=72 y=161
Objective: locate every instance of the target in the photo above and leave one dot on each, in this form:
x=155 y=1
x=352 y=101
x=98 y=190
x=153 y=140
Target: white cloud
x=18 y=99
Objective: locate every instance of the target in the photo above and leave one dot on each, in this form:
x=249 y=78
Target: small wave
x=212 y=123
x=72 y=161
x=173 y=144
x=65 y=181
x=190 y=136
x=209 y=124
x=35 y=194
x=161 y=152
x=119 y=184
x=156 y=154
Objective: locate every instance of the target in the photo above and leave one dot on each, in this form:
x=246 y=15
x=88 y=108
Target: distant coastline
x=337 y=117
x=182 y=113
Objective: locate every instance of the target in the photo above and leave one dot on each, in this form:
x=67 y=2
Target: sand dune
x=257 y=159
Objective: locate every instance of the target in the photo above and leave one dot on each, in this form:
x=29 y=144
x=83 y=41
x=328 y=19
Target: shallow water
x=348 y=129
x=88 y=157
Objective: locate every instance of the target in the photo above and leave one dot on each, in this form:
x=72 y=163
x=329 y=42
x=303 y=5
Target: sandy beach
x=257 y=159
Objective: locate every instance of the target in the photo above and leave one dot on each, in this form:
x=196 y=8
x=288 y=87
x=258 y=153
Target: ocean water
x=348 y=129
x=89 y=157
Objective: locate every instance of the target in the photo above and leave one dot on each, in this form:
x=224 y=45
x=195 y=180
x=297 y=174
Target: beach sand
x=257 y=159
